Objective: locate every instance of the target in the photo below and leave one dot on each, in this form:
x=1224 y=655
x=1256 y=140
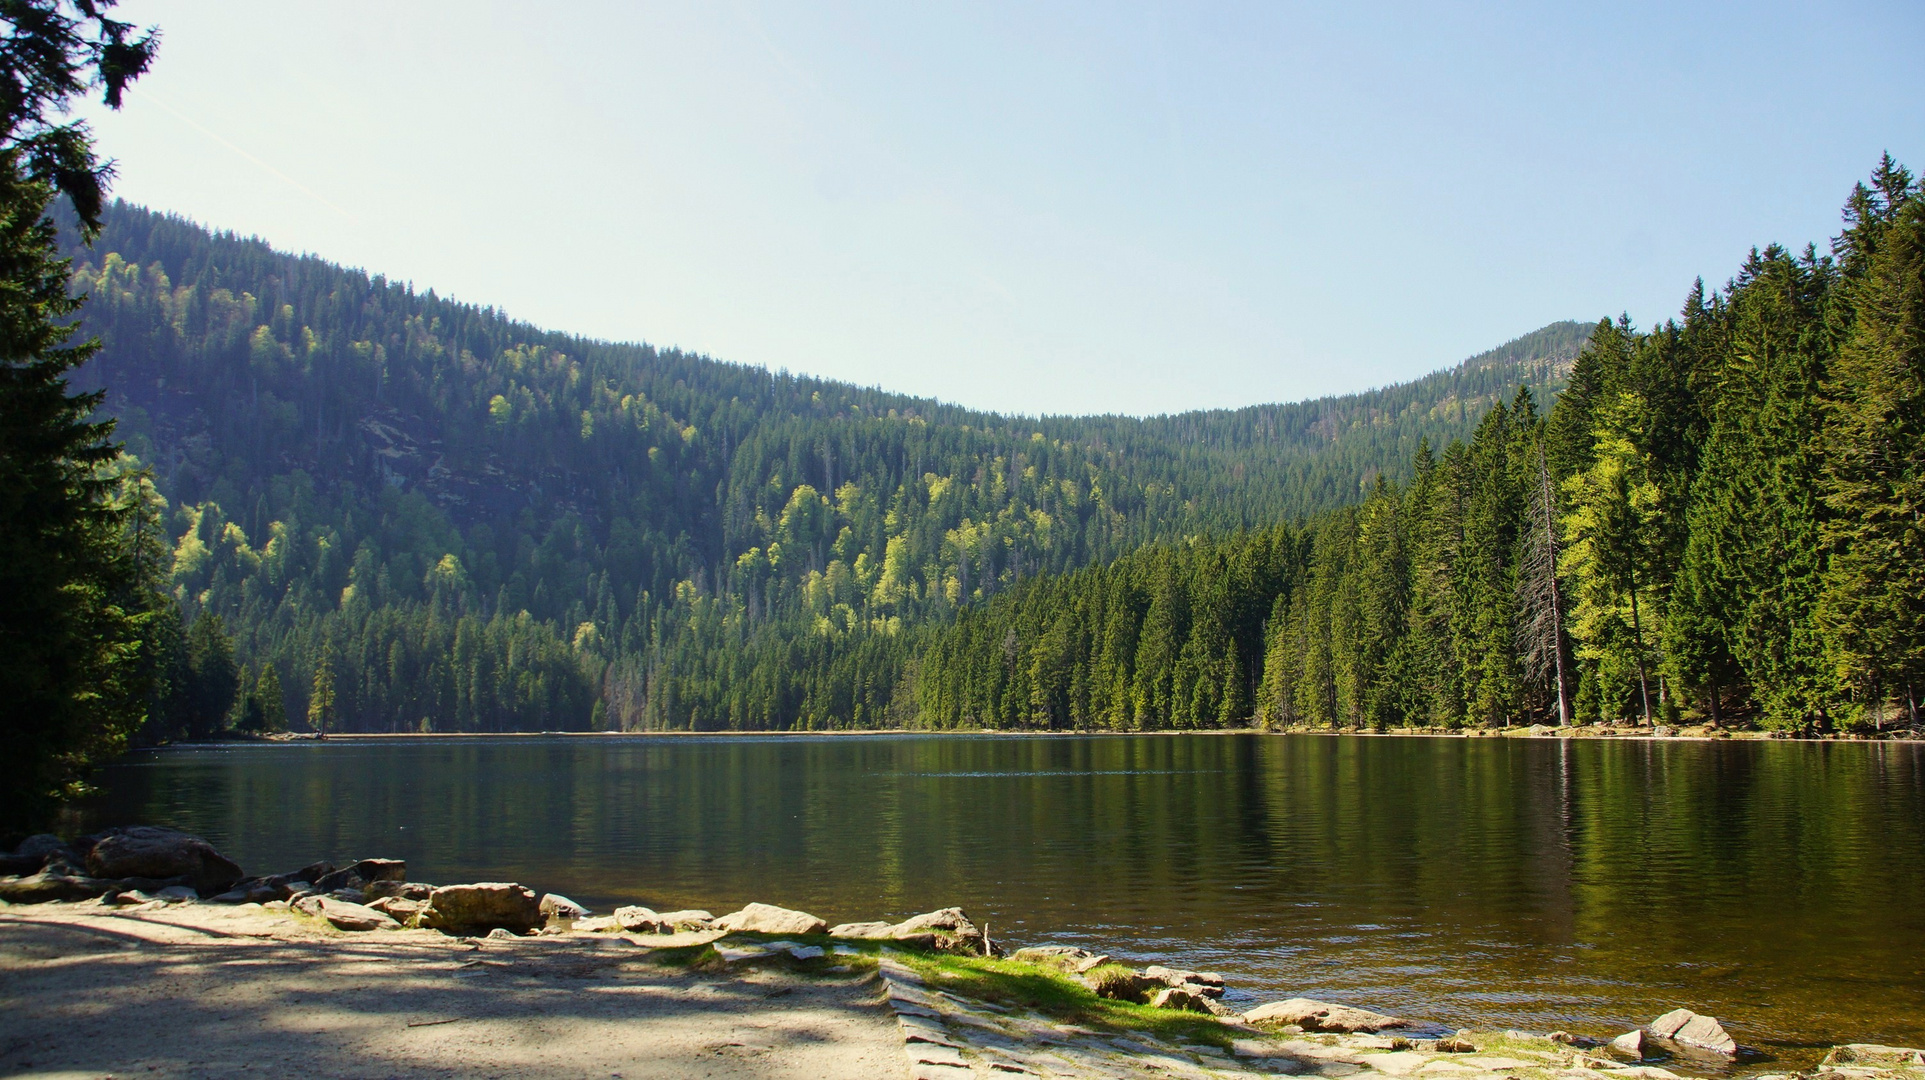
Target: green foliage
x=213 y=680
x=51 y=52
x=1730 y=506
x=72 y=606
x=1873 y=604
x=488 y=527
x=71 y=610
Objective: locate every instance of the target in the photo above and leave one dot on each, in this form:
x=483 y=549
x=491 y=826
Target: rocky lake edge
x=964 y=1003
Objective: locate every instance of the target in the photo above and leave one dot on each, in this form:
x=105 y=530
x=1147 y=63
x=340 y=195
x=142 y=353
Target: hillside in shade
x=450 y=520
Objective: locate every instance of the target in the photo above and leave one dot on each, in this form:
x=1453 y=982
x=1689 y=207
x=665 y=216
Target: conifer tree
x=321 y=711
x=70 y=672
x=1608 y=527
x=1873 y=606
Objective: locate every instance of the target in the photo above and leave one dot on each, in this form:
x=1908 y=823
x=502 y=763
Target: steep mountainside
x=426 y=515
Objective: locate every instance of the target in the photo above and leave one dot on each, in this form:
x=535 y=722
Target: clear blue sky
x=1068 y=207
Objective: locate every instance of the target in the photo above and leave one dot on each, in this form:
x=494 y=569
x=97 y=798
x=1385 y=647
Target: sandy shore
x=207 y=991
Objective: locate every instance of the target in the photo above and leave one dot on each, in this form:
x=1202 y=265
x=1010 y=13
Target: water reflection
x=1540 y=884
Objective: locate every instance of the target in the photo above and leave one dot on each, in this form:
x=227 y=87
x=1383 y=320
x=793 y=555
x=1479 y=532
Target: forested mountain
x=417 y=514
x=1722 y=516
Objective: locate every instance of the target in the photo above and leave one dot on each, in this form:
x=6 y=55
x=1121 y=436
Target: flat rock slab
x=924 y=1053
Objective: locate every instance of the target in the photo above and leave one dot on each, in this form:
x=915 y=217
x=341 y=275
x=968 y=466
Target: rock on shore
x=769 y=919
x=946 y=929
x=149 y=851
x=482 y=907
x=1313 y=1015
x=144 y=868
x=1703 y=1032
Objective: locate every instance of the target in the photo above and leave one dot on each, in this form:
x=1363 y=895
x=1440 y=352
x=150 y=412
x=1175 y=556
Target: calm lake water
x=1537 y=884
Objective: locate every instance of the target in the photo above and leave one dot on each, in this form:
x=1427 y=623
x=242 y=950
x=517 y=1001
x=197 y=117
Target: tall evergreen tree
x=70 y=672
x=1873 y=606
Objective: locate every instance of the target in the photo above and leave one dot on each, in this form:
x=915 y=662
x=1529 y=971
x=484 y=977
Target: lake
x=1533 y=883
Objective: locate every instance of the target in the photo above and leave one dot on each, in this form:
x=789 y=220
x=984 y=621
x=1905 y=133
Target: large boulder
x=150 y=851
x=1321 y=1016
x=1689 y=1029
x=343 y=915
x=484 y=906
x=769 y=919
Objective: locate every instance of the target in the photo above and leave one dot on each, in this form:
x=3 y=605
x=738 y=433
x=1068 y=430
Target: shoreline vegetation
x=506 y=962
x=1619 y=732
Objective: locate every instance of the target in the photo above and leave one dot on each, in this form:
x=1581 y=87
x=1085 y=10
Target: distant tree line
x=413 y=514
x=1723 y=517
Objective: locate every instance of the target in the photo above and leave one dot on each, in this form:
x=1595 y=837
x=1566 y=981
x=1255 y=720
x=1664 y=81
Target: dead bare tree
x=1540 y=601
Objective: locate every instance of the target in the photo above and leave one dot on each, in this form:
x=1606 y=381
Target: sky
x=1035 y=208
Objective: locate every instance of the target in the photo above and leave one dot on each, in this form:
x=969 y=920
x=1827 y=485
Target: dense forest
x=382 y=510
x=1722 y=517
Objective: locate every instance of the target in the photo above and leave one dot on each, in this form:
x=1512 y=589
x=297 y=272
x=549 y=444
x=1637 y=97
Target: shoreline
x=155 y=920
x=1540 y=732
x=224 y=990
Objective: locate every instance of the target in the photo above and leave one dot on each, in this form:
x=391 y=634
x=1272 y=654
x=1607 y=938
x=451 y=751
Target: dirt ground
x=204 y=991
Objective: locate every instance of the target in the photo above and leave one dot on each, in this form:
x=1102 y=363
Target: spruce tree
x=70 y=672
x=1873 y=607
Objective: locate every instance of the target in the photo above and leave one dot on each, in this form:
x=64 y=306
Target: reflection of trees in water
x=1535 y=883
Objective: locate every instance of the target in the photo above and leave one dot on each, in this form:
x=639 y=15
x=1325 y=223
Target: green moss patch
x=1056 y=995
